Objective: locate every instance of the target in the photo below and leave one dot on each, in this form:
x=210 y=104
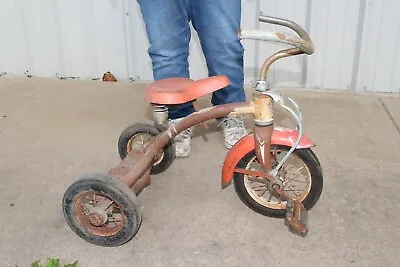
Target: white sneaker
x=233 y=129
x=183 y=141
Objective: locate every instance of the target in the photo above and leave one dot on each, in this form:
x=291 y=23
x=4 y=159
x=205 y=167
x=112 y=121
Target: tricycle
x=273 y=169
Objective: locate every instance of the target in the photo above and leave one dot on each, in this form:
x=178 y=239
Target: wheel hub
x=98 y=217
x=275 y=184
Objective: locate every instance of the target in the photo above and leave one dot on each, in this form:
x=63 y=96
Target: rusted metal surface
x=142 y=183
x=296 y=217
x=280 y=35
x=133 y=161
x=279 y=55
x=134 y=169
x=297 y=42
x=263 y=128
x=205 y=115
x=280 y=136
x=197 y=109
x=263 y=109
x=142 y=145
x=254 y=173
x=262 y=140
x=302 y=45
x=242 y=110
x=305 y=38
x=99 y=214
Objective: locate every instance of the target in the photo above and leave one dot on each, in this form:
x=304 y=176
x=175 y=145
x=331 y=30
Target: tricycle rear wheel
x=102 y=210
x=140 y=135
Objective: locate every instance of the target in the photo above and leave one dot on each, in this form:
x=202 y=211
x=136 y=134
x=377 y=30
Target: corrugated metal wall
x=357 y=41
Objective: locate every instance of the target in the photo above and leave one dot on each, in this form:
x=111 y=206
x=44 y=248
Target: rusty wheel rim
x=294 y=176
x=139 y=142
x=99 y=214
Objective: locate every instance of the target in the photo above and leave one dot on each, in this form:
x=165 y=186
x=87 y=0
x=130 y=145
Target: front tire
x=256 y=198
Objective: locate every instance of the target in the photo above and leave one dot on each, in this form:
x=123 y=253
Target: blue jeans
x=216 y=22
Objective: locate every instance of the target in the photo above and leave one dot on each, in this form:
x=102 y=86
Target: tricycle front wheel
x=102 y=210
x=300 y=177
x=137 y=137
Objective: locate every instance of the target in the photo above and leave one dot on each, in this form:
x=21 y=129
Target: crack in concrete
x=390 y=115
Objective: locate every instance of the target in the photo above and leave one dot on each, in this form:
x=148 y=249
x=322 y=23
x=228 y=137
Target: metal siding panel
x=40 y=32
x=108 y=22
x=250 y=14
x=77 y=39
x=387 y=47
x=137 y=43
x=29 y=42
x=86 y=38
x=92 y=39
x=13 y=53
x=379 y=54
x=369 y=54
x=333 y=30
x=395 y=77
x=74 y=38
x=288 y=71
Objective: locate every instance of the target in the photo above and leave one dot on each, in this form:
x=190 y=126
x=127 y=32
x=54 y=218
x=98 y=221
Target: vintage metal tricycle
x=274 y=170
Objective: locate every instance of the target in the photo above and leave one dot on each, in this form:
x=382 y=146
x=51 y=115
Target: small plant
x=52 y=262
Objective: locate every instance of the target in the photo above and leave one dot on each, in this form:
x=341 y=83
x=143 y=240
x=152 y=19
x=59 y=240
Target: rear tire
x=167 y=157
x=108 y=196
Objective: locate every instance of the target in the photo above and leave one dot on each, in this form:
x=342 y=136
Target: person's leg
x=217 y=24
x=167 y=26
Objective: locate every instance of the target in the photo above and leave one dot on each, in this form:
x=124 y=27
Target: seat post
x=160 y=115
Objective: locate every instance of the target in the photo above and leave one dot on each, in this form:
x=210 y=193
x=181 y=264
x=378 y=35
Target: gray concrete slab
x=55 y=131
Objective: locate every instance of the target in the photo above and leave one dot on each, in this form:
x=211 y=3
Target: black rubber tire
x=128 y=133
x=310 y=160
x=119 y=192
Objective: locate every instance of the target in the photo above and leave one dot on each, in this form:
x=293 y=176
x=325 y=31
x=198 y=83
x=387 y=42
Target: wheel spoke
x=289 y=168
x=112 y=202
x=115 y=220
x=94 y=199
x=266 y=189
x=95 y=206
x=299 y=169
x=294 y=176
x=294 y=180
x=293 y=190
x=141 y=138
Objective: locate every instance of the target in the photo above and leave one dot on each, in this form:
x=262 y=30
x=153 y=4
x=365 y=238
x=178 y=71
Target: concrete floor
x=54 y=131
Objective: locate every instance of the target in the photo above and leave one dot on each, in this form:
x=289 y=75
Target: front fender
x=280 y=136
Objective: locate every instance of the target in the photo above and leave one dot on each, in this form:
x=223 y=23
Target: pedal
x=297 y=218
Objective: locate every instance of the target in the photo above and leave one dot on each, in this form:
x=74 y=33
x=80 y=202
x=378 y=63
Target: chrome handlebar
x=304 y=43
x=292 y=25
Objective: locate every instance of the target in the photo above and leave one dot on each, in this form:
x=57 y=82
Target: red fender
x=280 y=136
